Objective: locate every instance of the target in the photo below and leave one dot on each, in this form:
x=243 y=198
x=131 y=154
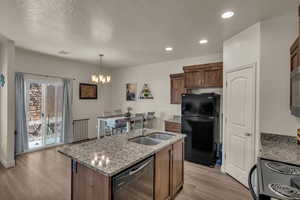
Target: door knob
x=248 y=134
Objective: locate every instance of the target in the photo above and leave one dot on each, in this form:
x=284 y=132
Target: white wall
x=241 y=50
x=158 y=77
x=32 y=62
x=278 y=34
x=7 y=108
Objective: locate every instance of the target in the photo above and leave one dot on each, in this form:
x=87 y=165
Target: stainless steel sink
x=160 y=136
x=145 y=141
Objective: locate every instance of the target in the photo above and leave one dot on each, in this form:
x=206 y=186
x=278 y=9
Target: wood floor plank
x=45 y=175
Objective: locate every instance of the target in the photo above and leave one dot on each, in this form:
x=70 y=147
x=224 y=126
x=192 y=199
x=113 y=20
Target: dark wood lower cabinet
x=88 y=184
x=163 y=174
x=169 y=174
x=178 y=167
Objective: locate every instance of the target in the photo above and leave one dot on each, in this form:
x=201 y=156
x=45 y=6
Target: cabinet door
x=294 y=60
x=177 y=88
x=194 y=79
x=88 y=184
x=214 y=77
x=163 y=174
x=178 y=166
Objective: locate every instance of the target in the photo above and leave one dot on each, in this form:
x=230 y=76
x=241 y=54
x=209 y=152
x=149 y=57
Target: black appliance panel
x=198 y=105
x=200 y=123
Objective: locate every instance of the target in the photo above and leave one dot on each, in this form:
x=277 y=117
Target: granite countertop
x=281 y=148
x=116 y=151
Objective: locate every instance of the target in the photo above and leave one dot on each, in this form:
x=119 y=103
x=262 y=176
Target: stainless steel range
x=283 y=168
x=275 y=180
x=285 y=191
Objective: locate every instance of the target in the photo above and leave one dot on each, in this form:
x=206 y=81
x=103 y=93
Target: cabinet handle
x=74 y=166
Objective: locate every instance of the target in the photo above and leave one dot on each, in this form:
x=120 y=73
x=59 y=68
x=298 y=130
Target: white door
x=239 y=123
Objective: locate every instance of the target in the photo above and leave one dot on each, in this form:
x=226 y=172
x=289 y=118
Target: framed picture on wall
x=88 y=91
x=131 y=89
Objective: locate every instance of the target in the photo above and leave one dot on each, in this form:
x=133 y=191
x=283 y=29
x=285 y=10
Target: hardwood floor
x=204 y=183
x=45 y=175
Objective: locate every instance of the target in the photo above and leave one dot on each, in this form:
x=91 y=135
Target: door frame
x=42 y=80
x=255 y=124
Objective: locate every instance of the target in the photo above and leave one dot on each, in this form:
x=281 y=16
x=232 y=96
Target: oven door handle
x=251 y=189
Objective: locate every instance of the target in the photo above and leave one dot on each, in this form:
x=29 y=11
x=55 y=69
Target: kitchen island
x=96 y=164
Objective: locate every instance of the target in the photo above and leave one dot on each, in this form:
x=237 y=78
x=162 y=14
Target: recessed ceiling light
x=203 y=41
x=63 y=52
x=227 y=15
x=169 y=48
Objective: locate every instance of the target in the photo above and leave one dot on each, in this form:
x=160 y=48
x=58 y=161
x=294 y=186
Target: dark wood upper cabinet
x=177 y=88
x=203 y=76
x=194 y=79
x=214 y=77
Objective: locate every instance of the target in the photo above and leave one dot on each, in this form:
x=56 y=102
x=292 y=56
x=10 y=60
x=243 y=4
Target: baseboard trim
x=8 y=163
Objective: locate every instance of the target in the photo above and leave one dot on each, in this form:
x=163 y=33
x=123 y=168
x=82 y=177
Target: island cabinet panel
x=178 y=167
x=294 y=55
x=294 y=62
x=163 y=174
x=177 y=88
x=169 y=170
x=87 y=184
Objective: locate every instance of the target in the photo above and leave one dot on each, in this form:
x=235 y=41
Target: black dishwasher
x=135 y=183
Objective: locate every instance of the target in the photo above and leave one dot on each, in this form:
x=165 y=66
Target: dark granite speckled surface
x=121 y=152
x=281 y=148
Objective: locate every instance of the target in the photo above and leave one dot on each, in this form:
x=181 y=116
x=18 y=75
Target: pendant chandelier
x=100 y=78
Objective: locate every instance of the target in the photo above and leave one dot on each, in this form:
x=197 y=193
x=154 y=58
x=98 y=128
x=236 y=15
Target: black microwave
x=295 y=92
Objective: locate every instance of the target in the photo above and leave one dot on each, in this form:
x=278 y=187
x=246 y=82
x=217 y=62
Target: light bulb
x=95 y=78
x=227 y=15
x=108 y=78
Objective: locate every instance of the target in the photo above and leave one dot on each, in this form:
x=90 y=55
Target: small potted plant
x=128 y=114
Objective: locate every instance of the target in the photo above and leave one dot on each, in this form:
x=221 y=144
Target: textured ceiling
x=130 y=32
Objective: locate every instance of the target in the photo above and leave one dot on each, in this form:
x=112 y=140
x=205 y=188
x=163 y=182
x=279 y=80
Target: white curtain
x=67 y=136
x=21 y=144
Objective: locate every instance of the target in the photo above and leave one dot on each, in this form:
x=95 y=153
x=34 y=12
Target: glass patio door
x=44 y=106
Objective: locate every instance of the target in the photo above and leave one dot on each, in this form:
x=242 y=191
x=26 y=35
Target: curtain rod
x=48 y=75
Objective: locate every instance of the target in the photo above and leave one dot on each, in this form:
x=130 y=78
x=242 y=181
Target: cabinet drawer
x=173 y=127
